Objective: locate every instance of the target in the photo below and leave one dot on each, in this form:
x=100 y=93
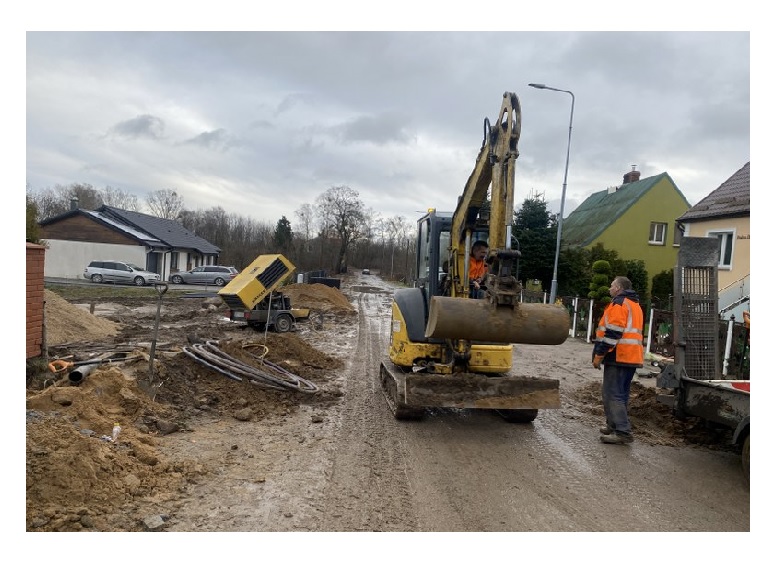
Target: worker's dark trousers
x=616 y=390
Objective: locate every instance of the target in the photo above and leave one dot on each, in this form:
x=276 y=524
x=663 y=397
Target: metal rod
x=161 y=288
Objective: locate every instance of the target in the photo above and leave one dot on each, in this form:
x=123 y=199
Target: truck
x=693 y=381
x=446 y=349
x=253 y=296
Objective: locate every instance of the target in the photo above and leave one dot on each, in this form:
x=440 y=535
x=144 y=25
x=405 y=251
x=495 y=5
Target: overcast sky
x=259 y=123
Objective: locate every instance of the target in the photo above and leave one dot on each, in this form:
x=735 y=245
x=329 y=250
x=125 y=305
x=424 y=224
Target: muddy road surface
x=338 y=461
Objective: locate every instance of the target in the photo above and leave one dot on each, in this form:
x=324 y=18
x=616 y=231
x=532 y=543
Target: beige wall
x=733 y=282
x=741 y=261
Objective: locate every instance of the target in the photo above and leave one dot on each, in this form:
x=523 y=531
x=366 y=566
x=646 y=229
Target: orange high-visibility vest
x=627 y=319
x=477 y=269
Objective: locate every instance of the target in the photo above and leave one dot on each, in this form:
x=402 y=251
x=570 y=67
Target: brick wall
x=35 y=299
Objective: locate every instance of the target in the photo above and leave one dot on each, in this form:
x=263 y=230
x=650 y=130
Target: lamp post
x=553 y=293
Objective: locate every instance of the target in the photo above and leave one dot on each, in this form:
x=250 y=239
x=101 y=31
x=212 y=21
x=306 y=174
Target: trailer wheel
x=283 y=323
x=746 y=457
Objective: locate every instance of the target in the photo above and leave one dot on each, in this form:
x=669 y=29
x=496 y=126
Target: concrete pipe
x=477 y=319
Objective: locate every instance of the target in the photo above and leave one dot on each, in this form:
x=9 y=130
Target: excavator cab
x=432 y=252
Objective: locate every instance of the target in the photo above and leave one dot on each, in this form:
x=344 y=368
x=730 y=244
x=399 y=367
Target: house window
x=174 y=261
x=678 y=234
x=726 y=247
x=657 y=233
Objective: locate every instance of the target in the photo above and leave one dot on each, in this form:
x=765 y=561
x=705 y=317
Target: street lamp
x=553 y=293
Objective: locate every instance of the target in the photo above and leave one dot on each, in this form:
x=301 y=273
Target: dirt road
x=361 y=470
x=339 y=462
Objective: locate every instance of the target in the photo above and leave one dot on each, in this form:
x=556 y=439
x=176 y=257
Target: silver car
x=217 y=275
x=119 y=272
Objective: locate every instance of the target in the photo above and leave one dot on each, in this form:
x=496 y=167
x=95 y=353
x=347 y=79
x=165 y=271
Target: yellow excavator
x=448 y=350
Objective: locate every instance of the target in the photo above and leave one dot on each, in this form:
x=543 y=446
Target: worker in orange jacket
x=477 y=272
x=619 y=346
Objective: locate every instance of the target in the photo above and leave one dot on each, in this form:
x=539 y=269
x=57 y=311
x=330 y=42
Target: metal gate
x=696 y=307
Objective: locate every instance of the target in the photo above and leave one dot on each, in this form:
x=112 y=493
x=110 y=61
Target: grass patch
x=79 y=292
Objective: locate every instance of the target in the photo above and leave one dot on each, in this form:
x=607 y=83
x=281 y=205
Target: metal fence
x=733 y=338
x=733 y=341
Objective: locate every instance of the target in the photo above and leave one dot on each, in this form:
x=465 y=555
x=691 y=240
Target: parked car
x=119 y=272
x=366 y=271
x=217 y=275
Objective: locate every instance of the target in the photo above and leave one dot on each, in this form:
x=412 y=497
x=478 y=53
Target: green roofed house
x=637 y=219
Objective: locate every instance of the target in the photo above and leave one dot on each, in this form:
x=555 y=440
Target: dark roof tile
x=168 y=231
x=730 y=199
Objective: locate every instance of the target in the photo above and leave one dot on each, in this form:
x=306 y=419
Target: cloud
x=219 y=139
x=141 y=127
x=379 y=129
x=398 y=116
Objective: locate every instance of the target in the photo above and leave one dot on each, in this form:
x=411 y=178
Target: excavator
x=447 y=349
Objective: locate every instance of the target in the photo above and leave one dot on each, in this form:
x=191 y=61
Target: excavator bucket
x=478 y=319
x=409 y=394
x=474 y=391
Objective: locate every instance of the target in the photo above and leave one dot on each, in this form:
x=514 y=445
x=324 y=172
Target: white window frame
x=654 y=228
x=728 y=239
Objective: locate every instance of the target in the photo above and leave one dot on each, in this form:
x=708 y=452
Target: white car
x=366 y=271
x=100 y=271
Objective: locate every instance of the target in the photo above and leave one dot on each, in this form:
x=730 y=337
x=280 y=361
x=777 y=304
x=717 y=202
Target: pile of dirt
x=67 y=323
x=77 y=477
x=319 y=297
x=653 y=422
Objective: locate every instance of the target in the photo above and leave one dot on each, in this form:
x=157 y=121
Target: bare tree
x=165 y=203
x=397 y=229
x=342 y=212
x=119 y=199
x=55 y=201
x=306 y=216
x=240 y=239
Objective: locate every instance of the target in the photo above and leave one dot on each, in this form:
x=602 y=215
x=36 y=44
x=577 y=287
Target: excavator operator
x=478 y=268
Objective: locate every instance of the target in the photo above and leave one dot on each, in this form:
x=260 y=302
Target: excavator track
x=391 y=388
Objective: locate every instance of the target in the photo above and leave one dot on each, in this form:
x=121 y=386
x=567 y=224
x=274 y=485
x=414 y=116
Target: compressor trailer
x=253 y=298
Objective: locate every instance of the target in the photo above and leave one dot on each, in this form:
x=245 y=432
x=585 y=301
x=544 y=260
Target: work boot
x=616 y=438
x=606 y=430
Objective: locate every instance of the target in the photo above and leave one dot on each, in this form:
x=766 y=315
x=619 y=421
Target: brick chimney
x=74 y=203
x=631 y=176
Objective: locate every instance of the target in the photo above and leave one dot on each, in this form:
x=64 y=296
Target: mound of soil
x=78 y=478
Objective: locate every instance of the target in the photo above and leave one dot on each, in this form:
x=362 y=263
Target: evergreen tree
x=637 y=274
x=32 y=230
x=663 y=289
x=283 y=234
x=535 y=230
x=599 y=286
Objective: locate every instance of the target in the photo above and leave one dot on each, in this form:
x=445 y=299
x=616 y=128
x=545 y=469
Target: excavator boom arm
x=495 y=168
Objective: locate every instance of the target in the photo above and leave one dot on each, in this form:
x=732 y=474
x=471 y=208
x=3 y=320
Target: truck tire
x=284 y=323
x=97 y=278
x=518 y=415
x=746 y=457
